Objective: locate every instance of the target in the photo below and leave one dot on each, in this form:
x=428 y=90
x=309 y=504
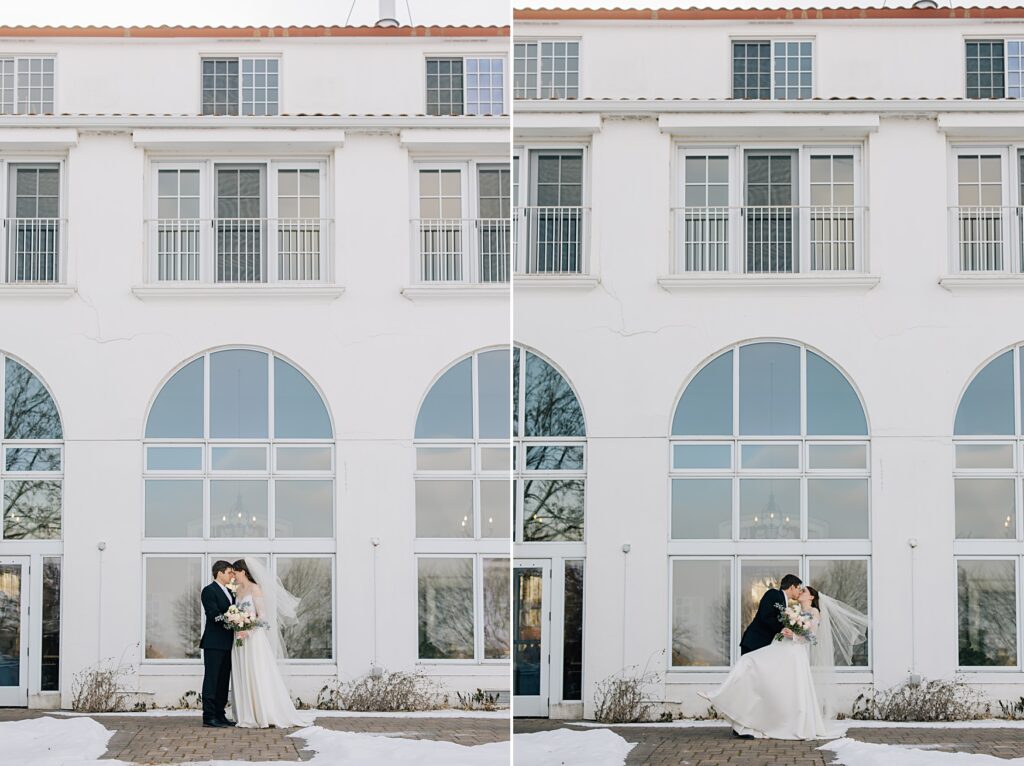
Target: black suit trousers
x=217 y=674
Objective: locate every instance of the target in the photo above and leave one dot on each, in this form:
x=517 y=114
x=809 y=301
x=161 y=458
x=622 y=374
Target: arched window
x=769 y=442
x=551 y=438
x=988 y=439
x=462 y=511
x=239 y=459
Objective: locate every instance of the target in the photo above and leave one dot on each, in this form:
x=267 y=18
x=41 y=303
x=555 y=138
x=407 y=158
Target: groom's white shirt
x=226 y=591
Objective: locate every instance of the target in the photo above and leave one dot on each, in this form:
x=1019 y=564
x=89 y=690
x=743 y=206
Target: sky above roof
x=250 y=12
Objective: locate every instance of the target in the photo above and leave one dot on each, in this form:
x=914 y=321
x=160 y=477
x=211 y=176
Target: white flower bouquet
x=239 y=620
x=798 y=622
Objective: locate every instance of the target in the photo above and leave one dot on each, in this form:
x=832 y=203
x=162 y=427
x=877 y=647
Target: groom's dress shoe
x=215 y=724
x=226 y=722
x=742 y=736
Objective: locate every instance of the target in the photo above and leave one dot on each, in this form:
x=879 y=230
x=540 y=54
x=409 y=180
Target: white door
x=531 y=636
x=14 y=631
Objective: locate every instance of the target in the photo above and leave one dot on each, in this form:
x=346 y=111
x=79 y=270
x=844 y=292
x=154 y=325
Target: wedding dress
x=259 y=697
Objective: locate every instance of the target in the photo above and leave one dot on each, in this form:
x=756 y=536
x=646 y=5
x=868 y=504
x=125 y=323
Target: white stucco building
x=762 y=256
x=235 y=263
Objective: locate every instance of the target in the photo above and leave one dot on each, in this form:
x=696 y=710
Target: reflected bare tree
x=846 y=580
x=553 y=510
x=29 y=409
x=497 y=631
x=32 y=510
x=188 y=613
x=551 y=406
x=308 y=579
x=446 y=610
x=987 y=613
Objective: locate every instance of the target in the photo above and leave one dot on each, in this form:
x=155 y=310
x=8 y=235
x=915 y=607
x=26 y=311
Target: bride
x=785 y=690
x=259 y=697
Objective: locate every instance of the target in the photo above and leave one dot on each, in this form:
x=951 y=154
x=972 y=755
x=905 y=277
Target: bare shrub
x=190 y=700
x=478 y=700
x=384 y=693
x=100 y=689
x=939 y=700
x=621 y=698
x=1014 y=711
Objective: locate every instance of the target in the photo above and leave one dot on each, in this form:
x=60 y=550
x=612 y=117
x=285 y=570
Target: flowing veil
x=840 y=629
x=278 y=605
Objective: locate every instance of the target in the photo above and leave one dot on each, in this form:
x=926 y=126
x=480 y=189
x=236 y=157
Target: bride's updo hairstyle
x=239 y=566
x=812 y=591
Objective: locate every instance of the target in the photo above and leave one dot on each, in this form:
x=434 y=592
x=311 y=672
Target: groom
x=765 y=625
x=216 y=644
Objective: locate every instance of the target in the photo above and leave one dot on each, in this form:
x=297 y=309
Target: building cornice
x=765 y=14
x=355 y=123
x=657 y=107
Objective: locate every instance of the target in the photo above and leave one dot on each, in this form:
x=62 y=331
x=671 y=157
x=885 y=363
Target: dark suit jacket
x=215 y=635
x=765 y=625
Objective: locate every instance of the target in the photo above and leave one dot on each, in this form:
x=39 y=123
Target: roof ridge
x=258 y=31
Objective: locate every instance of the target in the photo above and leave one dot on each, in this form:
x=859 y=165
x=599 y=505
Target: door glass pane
x=240 y=230
x=446 y=609
x=770 y=215
x=496 y=615
x=705 y=408
x=701 y=608
x=845 y=580
x=701 y=509
x=758 y=576
x=444 y=508
x=32 y=510
x=528 y=622
x=304 y=508
x=174 y=508
x=50 y=676
x=837 y=509
x=173 y=608
x=985 y=508
x=769 y=509
x=308 y=579
x=553 y=510
x=769 y=389
x=238 y=508
x=10 y=625
x=987 y=405
x=238 y=394
x=987 y=613
x=572 y=635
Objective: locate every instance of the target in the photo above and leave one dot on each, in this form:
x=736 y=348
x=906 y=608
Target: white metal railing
x=986 y=238
x=551 y=239
x=461 y=249
x=34 y=249
x=768 y=239
x=238 y=250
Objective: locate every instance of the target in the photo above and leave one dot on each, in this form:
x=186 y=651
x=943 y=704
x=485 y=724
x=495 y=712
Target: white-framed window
x=550 y=446
x=233 y=85
x=713 y=597
x=546 y=69
x=174 y=614
x=239 y=221
x=460 y=225
x=462 y=511
x=32 y=470
x=459 y=85
x=769 y=210
x=988 y=613
x=463 y=608
x=773 y=69
x=27 y=84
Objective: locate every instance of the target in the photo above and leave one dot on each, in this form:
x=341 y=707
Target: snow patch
x=565 y=747
x=445 y=713
x=987 y=723
x=850 y=752
x=53 y=742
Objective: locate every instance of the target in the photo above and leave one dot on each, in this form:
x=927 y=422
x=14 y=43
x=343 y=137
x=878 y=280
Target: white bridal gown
x=770 y=694
x=258 y=694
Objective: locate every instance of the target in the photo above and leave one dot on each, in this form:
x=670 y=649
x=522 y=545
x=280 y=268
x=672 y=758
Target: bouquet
x=800 y=623
x=238 y=620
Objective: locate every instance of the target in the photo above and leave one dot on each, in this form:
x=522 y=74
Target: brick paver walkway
x=664 y=746
x=178 y=739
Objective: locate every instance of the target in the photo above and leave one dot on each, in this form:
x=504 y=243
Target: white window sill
x=37 y=291
x=257 y=291
x=460 y=290
x=985 y=281
x=495 y=669
x=684 y=282
x=195 y=668
x=556 y=281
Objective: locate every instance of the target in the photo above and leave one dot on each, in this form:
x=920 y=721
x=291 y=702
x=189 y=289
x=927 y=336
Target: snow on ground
x=564 y=747
x=446 y=713
x=53 y=742
x=850 y=752
x=987 y=723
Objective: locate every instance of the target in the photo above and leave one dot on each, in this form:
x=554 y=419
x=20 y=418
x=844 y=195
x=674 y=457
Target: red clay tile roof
x=761 y=14
x=258 y=32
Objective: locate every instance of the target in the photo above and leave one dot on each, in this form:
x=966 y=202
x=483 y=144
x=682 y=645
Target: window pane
x=702 y=456
x=494 y=379
x=444 y=458
x=496 y=613
x=174 y=508
x=50 y=662
x=701 y=509
x=304 y=508
x=303 y=458
x=308 y=579
x=758 y=576
x=238 y=508
x=985 y=508
x=762 y=456
x=444 y=508
x=845 y=580
x=299 y=411
x=837 y=509
x=33 y=459
x=838 y=456
x=705 y=408
x=29 y=410
x=446 y=609
x=769 y=508
x=553 y=510
x=447 y=411
x=833 y=408
x=174 y=458
x=769 y=389
x=572 y=633
x=178 y=410
x=495 y=459
x=238 y=459
x=701 y=603
x=495 y=508
x=238 y=394
x=173 y=608
x=987 y=404
x=32 y=510
x=554 y=457
x=984 y=456
x=987 y=613
x=551 y=406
